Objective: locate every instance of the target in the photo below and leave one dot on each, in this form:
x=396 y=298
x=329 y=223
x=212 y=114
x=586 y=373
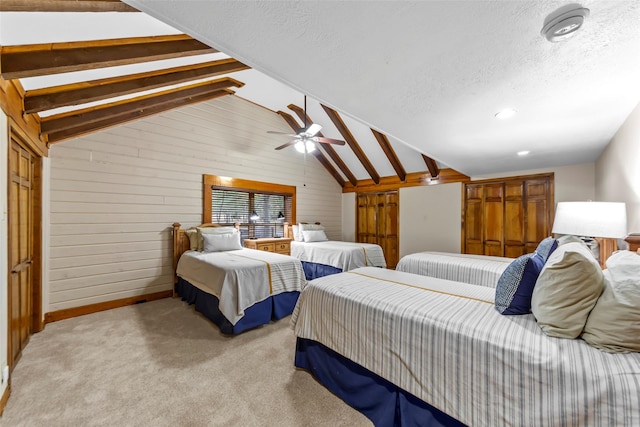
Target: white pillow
x=297 y=233
x=614 y=323
x=314 y=236
x=304 y=227
x=221 y=242
x=566 y=291
x=213 y=230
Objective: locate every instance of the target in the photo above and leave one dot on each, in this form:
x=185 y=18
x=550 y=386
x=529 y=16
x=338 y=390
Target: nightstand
x=280 y=245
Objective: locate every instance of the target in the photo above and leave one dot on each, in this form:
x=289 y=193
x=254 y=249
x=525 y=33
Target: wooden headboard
x=288 y=229
x=181 y=243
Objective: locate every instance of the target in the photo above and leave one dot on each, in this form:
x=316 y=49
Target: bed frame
x=181 y=244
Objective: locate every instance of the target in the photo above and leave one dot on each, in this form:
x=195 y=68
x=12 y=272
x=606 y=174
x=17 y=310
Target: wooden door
x=538 y=212
x=377 y=222
x=514 y=219
x=24 y=283
x=473 y=220
x=493 y=219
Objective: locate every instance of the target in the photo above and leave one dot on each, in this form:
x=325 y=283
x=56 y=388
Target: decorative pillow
x=546 y=248
x=213 y=230
x=567 y=290
x=192 y=234
x=309 y=227
x=515 y=286
x=614 y=323
x=220 y=242
x=314 y=236
x=297 y=233
x=569 y=238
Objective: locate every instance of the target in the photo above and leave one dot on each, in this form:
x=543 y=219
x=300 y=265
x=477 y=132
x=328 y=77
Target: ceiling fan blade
x=313 y=130
x=324 y=140
x=287 y=144
x=281 y=133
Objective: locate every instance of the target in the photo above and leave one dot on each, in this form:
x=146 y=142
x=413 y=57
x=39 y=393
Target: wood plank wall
x=114 y=194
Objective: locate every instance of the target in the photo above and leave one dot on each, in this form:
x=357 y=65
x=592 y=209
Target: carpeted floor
x=162 y=364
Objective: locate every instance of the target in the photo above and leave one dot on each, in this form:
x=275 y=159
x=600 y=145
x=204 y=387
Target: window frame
x=237 y=184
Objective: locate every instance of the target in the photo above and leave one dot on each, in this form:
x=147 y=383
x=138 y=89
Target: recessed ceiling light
x=564 y=22
x=523 y=153
x=505 y=114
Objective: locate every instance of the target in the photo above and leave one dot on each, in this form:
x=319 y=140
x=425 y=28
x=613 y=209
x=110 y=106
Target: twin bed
x=406 y=349
x=237 y=289
x=322 y=257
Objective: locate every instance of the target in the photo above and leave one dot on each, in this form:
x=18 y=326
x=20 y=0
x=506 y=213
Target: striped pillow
x=515 y=286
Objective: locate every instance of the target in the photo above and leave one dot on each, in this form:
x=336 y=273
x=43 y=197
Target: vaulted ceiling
x=77 y=74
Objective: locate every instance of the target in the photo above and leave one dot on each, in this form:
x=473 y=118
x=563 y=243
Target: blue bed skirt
x=314 y=270
x=273 y=308
x=379 y=400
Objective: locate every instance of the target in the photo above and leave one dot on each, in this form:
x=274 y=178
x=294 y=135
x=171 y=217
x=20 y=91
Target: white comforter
x=475 y=269
x=445 y=343
x=242 y=277
x=343 y=255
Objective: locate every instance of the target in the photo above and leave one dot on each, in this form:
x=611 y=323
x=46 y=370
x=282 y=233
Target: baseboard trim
x=102 y=306
x=5 y=397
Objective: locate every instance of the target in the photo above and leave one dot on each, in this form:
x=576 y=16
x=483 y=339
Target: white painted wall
x=349 y=217
x=618 y=170
x=4 y=268
x=430 y=218
x=114 y=194
x=440 y=231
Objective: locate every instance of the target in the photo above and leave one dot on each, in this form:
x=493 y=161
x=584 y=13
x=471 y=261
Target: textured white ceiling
x=432 y=74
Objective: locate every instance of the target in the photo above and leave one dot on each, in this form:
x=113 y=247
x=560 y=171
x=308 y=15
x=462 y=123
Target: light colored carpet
x=162 y=364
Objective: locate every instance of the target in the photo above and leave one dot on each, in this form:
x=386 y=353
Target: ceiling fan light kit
x=564 y=22
x=305 y=146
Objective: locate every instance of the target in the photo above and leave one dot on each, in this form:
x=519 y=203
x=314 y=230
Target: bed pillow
x=297 y=233
x=220 y=242
x=566 y=291
x=192 y=234
x=546 y=247
x=213 y=230
x=614 y=323
x=314 y=236
x=515 y=285
x=310 y=227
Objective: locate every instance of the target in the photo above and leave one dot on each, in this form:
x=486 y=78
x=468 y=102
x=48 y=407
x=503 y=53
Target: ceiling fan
x=305 y=138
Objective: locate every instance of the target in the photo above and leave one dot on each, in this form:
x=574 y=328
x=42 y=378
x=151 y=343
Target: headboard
x=181 y=243
x=288 y=229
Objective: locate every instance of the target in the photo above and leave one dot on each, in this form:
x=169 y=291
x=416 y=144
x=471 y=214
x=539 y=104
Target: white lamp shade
x=591 y=219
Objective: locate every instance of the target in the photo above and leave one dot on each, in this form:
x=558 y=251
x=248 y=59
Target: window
x=229 y=200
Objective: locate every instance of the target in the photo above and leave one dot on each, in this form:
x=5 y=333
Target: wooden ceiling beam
x=65 y=6
x=348 y=137
x=432 y=166
x=316 y=153
x=327 y=147
x=17 y=62
x=86 y=128
x=390 y=153
x=413 y=179
x=97 y=90
x=102 y=112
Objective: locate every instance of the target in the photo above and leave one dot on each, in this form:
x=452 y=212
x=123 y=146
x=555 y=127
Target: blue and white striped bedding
x=445 y=343
x=241 y=278
x=343 y=255
x=474 y=269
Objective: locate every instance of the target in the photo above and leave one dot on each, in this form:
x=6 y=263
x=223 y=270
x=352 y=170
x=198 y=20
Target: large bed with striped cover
x=241 y=288
x=474 y=269
x=428 y=351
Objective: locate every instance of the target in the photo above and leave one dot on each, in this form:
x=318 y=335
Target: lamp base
x=607 y=247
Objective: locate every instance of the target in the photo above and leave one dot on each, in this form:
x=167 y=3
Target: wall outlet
x=5 y=374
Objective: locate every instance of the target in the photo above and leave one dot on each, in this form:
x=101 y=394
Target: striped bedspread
x=445 y=343
x=475 y=269
x=241 y=278
x=343 y=255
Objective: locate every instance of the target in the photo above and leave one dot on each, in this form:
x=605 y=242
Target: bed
x=474 y=269
x=321 y=257
x=405 y=349
x=234 y=287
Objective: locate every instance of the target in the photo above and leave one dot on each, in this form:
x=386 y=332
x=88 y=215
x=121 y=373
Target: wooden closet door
x=473 y=220
x=493 y=219
x=514 y=241
x=21 y=218
x=538 y=212
x=377 y=222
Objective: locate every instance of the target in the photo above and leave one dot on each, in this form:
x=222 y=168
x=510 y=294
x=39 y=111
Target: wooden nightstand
x=280 y=245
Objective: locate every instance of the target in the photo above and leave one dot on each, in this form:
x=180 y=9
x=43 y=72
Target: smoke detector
x=564 y=22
